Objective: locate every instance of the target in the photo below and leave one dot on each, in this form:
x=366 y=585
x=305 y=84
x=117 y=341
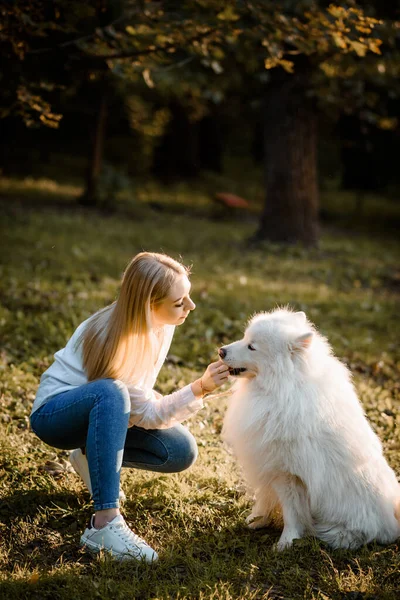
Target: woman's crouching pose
x=97 y=397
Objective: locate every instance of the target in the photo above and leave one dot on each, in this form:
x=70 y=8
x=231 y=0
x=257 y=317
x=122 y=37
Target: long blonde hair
x=117 y=341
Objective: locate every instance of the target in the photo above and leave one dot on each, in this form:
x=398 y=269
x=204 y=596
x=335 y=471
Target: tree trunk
x=90 y=196
x=210 y=143
x=290 y=212
x=177 y=154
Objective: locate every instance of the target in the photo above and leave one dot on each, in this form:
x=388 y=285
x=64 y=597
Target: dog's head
x=272 y=341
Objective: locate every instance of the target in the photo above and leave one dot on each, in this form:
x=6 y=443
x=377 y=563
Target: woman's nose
x=191 y=305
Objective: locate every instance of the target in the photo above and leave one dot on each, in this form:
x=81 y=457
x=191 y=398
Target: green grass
x=60 y=264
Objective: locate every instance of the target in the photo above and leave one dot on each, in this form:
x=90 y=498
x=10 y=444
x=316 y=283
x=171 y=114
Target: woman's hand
x=214 y=376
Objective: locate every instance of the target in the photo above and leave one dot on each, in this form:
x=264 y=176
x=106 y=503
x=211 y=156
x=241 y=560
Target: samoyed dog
x=298 y=431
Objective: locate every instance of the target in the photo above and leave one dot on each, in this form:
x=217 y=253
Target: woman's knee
x=113 y=393
x=187 y=451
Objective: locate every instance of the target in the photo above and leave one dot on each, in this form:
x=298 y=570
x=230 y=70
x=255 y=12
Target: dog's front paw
x=282 y=545
x=286 y=540
x=257 y=521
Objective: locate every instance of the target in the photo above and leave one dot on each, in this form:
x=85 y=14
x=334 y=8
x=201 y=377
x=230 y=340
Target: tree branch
x=77 y=40
x=147 y=51
x=116 y=55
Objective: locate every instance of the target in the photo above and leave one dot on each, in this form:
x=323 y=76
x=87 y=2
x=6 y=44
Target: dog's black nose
x=222 y=352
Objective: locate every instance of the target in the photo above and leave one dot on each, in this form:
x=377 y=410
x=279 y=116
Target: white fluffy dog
x=300 y=435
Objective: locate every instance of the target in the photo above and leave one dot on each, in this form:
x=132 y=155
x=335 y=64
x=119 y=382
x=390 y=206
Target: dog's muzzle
x=222 y=352
x=236 y=372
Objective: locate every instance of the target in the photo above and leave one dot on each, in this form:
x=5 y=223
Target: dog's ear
x=302 y=342
x=301 y=316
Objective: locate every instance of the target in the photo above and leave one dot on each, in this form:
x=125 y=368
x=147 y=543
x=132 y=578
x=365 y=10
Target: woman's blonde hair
x=117 y=341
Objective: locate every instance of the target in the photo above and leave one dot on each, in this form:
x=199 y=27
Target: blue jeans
x=95 y=416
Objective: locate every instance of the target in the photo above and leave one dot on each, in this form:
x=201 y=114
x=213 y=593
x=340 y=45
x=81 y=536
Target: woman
x=98 y=398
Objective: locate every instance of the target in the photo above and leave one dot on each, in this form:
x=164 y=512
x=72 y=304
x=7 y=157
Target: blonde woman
x=98 y=399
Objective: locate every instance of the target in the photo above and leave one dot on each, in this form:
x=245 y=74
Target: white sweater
x=149 y=409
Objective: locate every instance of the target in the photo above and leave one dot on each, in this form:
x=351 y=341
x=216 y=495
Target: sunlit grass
x=39 y=188
x=58 y=267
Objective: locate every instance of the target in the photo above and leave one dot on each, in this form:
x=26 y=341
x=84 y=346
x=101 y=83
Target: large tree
x=304 y=46
x=299 y=56
x=308 y=48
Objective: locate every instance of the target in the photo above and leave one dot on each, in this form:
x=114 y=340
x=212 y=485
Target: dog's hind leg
x=294 y=502
x=266 y=501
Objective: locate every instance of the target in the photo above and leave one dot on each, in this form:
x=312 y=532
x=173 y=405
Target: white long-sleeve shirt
x=149 y=409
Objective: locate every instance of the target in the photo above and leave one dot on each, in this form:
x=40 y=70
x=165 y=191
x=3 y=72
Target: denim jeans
x=95 y=416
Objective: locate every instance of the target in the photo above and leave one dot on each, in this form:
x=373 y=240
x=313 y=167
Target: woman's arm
x=151 y=410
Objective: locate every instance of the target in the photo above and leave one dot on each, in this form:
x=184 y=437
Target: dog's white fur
x=300 y=435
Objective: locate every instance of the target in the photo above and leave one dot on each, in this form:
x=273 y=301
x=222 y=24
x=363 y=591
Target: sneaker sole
x=95 y=549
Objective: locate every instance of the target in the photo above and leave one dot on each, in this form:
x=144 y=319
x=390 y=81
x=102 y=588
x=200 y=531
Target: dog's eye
x=251 y=347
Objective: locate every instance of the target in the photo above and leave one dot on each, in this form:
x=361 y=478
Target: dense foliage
x=48 y=44
x=167 y=65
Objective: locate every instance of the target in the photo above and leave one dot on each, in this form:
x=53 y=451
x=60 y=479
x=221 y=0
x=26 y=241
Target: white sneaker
x=79 y=461
x=117 y=539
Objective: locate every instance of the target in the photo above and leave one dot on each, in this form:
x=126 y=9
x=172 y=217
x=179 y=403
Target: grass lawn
x=59 y=264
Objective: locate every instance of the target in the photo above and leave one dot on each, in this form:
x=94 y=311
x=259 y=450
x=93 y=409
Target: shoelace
x=129 y=537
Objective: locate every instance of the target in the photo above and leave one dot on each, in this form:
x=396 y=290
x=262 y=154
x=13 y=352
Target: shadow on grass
x=205 y=560
x=59 y=516
x=30 y=503
x=45 y=560
x=15 y=203
x=377 y=225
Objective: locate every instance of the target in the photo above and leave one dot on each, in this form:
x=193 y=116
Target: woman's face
x=174 y=309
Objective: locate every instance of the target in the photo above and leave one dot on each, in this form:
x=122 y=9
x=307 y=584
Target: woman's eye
x=179 y=305
x=251 y=347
